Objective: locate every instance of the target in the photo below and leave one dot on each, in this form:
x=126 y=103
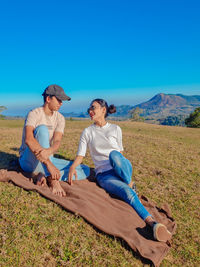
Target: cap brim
x=64 y=98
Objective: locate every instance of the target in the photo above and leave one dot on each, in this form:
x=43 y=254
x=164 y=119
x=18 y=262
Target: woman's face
x=96 y=112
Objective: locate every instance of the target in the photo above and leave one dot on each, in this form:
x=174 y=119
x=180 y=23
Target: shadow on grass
x=146 y=232
x=9 y=161
x=61 y=157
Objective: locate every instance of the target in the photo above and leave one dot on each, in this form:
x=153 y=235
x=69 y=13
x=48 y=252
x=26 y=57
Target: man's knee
x=42 y=128
x=41 y=131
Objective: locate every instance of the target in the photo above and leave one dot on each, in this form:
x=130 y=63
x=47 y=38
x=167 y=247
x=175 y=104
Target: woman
x=113 y=170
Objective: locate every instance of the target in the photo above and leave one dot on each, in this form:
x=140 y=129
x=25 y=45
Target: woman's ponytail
x=112 y=109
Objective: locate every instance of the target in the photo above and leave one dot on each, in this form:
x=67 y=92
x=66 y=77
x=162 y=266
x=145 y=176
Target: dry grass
x=37 y=232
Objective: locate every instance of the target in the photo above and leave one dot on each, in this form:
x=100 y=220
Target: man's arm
x=56 y=141
x=45 y=153
x=30 y=140
x=42 y=154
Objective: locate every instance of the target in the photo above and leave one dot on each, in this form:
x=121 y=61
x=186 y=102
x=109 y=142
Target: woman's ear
x=104 y=110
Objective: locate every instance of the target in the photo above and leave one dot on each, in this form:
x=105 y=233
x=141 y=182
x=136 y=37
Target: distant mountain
x=75 y=115
x=122 y=111
x=162 y=108
x=163 y=105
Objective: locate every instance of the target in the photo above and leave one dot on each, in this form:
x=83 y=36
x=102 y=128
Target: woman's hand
x=72 y=172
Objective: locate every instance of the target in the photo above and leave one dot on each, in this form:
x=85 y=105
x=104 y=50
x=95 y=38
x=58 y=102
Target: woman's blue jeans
x=29 y=163
x=116 y=180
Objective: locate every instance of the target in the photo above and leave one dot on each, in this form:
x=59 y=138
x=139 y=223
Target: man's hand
x=72 y=172
x=55 y=173
x=43 y=155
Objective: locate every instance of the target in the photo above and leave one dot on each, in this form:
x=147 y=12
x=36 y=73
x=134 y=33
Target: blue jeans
x=116 y=180
x=29 y=163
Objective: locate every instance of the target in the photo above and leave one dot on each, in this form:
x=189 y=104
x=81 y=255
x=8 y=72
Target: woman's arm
x=119 y=139
x=79 y=158
x=72 y=170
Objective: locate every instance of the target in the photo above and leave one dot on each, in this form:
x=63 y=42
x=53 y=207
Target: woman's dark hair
x=109 y=109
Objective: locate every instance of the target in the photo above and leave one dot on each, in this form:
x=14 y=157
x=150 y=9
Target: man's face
x=54 y=103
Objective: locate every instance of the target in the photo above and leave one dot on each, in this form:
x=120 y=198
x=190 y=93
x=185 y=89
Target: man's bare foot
x=3 y=174
x=56 y=187
x=39 y=179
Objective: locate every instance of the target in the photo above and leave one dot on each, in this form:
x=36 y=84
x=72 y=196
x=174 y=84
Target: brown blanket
x=107 y=213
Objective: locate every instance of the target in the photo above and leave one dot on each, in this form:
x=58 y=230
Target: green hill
x=163 y=105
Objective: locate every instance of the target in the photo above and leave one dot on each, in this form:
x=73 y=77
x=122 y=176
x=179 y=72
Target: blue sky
x=124 y=51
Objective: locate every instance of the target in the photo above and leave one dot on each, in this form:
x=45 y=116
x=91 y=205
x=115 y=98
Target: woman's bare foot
x=131 y=184
x=150 y=221
x=56 y=187
x=39 y=179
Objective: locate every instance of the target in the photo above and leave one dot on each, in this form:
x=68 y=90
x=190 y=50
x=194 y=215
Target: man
x=42 y=134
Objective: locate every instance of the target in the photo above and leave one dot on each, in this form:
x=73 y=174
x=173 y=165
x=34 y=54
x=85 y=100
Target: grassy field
x=37 y=232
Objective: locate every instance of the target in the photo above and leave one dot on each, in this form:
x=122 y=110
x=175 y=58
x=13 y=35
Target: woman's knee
x=114 y=154
x=115 y=158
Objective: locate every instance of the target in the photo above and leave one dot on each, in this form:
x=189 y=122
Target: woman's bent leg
x=121 y=166
x=113 y=185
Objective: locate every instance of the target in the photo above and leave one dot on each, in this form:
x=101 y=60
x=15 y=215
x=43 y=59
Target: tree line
x=2 y=108
x=192 y=121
